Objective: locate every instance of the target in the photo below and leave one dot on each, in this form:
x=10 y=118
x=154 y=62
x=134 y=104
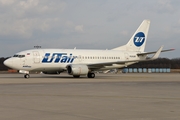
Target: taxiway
x=107 y=97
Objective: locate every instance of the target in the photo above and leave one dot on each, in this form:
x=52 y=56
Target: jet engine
x=77 y=70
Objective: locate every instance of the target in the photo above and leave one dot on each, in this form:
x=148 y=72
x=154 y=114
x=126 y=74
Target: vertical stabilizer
x=138 y=40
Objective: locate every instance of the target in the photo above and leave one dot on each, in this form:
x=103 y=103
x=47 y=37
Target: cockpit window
x=19 y=56
x=15 y=56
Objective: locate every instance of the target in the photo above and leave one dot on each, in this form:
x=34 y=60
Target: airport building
x=146 y=70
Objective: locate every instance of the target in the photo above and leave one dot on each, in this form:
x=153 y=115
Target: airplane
x=79 y=62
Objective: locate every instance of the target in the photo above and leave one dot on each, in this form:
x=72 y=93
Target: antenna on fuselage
x=37 y=46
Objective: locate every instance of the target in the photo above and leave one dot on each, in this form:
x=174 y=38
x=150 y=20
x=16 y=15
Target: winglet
x=156 y=55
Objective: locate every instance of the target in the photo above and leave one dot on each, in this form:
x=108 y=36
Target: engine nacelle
x=51 y=72
x=77 y=69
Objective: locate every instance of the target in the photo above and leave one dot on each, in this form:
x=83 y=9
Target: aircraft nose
x=8 y=62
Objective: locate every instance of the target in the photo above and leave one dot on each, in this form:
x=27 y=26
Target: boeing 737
x=78 y=62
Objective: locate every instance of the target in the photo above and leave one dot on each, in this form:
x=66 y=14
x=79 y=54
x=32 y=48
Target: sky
x=87 y=24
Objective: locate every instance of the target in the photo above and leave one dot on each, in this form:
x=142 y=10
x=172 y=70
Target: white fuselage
x=58 y=59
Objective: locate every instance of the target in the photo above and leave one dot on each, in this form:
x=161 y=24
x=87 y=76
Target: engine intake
x=77 y=69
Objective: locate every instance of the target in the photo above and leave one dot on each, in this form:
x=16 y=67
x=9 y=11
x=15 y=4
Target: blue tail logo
x=139 y=39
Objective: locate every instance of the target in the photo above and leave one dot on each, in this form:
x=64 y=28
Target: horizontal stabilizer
x=148 y=53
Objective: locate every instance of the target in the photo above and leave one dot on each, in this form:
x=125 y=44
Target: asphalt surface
x=106 y=97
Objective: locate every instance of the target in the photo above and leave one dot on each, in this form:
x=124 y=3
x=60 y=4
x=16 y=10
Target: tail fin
x=138 y=40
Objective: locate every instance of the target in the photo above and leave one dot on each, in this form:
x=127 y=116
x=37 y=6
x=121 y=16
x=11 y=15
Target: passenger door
x=36 y=57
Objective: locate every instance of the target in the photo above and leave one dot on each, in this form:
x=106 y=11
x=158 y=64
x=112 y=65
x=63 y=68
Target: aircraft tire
x=26 y=76
x=91 y=75
x=76 y=76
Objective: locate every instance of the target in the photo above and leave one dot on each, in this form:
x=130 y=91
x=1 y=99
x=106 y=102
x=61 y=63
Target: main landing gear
x=76 y=76
x=26 y=76
x=91 y=75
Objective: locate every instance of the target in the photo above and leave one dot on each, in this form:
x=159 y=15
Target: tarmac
x=138 y=96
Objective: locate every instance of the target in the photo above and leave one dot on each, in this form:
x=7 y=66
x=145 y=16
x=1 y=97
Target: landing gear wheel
x=26 y=76
x=91 y=75
x=76 y=76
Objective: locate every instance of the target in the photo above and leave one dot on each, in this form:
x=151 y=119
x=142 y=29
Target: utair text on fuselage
x=58 y=58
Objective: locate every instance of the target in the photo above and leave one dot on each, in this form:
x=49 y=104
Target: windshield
x=19 y=56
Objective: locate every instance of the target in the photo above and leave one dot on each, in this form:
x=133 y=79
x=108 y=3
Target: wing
x=155 y=56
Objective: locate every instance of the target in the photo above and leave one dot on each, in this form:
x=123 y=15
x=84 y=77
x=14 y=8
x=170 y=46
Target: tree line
x=158 y=63
x=2 y=66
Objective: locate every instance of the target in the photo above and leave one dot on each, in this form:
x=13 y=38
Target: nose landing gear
x=26 y=73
